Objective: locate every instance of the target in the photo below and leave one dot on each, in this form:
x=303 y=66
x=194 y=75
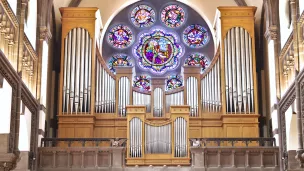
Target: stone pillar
x=42 y=78
x=118 y=155
x=198 y=160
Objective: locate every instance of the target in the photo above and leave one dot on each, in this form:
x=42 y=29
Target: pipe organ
x=77 y=71
x=157 y=140
x=96 y=102
x=158 y=102
x=192 y=96
x=140 y=98
x=211 y=88
x=239 y=71
x=174 y=99
x=124 y=94
x=105 y=91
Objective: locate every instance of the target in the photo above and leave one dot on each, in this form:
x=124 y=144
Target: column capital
x=271 y=33
x=45 y=34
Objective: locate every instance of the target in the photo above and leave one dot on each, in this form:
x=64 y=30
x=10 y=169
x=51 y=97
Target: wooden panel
x=250 y=131
x=234 y=131
x=195 y=132
x=212 y=132
x=121 y=132
x=104 y=132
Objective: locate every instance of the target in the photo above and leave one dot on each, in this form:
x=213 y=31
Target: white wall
x=301 y=4
x=13 y=5
x=284 y=21
x=25 y=130
x=291 y=129
x=5 y=107
x=44 y=71
x=31 y=24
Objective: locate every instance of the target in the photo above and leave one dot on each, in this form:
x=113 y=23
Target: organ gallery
x=151 y=85
x=157 y=78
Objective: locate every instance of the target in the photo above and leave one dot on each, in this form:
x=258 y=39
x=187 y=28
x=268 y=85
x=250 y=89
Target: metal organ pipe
x=76 y=73
x=158 y=102
x=210 y=85
x=240 y=73
x=124 y=94
x=192 y=96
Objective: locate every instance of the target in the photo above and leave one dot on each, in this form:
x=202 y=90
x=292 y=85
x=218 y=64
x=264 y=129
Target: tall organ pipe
x=239 y=71
x=76 y=73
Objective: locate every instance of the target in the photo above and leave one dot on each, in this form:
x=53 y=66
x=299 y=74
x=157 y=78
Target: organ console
x=95 y=102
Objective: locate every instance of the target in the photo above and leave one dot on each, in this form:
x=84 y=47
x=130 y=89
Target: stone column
x=198 y=160
x=118 y=155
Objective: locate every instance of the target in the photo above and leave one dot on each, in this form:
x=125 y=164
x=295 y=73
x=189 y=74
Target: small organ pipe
x=77 y=69
x=90 y=70
x=97 y=89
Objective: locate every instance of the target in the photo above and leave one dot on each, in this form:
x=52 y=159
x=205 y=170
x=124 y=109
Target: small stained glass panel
x=173 y=16
x=197 y=59
x=119 y=60
x=174 y=82
x=196 y=35
x=142 y=82
x=120 y=36
x=143 y=16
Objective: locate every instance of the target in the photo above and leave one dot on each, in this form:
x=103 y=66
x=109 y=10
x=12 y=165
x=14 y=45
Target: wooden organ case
x=94 y=102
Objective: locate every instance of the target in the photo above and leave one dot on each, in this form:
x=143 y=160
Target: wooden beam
x=241 y=2
x=74 y=3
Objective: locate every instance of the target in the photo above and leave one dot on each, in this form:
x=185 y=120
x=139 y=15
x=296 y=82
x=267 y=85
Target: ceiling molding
x=74 y=3
x=241 y=2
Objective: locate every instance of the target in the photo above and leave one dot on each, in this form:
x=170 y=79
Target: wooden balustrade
x=29 y=66
x=9 y=28
x=287 y=65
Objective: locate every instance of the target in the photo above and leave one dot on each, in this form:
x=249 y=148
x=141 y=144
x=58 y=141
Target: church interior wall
x=5 y=107
x=30 y=24
x=25 y=129
x=285 y=21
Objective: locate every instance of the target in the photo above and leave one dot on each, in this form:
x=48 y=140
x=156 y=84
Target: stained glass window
x=142 y=82
x=197 y=59
x=120 y=36
x=195 y=35
x=119 y=60
x=173 y=16
x=158 y=51
x=143 y=16
x=174 y=81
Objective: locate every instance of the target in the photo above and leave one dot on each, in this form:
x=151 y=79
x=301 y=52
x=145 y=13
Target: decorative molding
x=240 y=2
x=8 y=10
x=286 y=46
x=45 y=33
x=271 y=33
x=29 y=47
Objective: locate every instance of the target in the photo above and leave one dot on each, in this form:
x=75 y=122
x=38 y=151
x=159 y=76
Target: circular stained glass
x=173 y=16
x=143 y=16
x=196 y=36
x=198 y=60
x=174 y=81
x=120 y=36
x=158 y=51
x=142 y=82
x=119 y=60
